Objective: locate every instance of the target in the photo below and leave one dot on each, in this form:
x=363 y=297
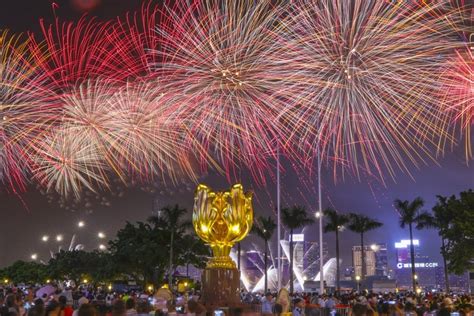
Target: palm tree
x=294 y=218
x=264 y=228
x=171 y=220
x=335 y=222
x=411 y=214
x=441 y=219
x=361 y=224
x=191 y=250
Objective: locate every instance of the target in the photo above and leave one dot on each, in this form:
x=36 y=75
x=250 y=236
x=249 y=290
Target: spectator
x=298 y=309
x=118 y=308
x=11 y=304
x=143 y=308
x=67 y=310
x=80 y=302
x=267 y=304
x=53 y=308
x=87 y=310
x=130 y=307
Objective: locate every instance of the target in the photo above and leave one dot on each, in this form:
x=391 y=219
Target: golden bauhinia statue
x=222 y=219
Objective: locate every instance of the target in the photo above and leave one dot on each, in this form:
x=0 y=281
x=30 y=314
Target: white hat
x=83 y=300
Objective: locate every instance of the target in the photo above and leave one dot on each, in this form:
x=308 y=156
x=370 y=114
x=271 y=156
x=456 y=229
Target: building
x=369 y=260
x=306 y=256
x=298 y=251
x=402 y=249
x=427 y=271
x=381 y=259
x=376 y=260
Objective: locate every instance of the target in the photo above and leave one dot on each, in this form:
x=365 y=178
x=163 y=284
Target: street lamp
x=34 y=256
x=415 y=277
x=358 y=282
x=102 y=247
x=81 y=224
x=59 y=238
x=101 y=235
x=45 y=238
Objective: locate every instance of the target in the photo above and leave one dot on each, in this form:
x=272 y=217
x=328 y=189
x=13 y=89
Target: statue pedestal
x=220 y=288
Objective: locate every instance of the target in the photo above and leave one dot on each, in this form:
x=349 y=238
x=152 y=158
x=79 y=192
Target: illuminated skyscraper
x=376 y=260
x=381 y=259
x=369 y=260
x=403 y=250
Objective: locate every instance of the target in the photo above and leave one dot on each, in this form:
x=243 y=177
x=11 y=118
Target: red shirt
x=68 y=310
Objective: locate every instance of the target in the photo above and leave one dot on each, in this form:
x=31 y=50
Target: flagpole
x=321 y=259
x=278 y=219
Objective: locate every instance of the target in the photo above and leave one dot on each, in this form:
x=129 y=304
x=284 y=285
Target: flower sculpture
x=221 y=219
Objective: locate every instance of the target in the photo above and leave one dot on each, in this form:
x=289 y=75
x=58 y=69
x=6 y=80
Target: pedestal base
x=220 y=288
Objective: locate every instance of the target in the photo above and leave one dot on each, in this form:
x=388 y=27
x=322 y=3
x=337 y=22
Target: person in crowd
x=53 y=308
x=446 y=307
x=195 y=308
x=277 y=309
x=65 y=307
x=130 y=307
x=87 y=310
x=267 y=304
x=143 y=307
x=410 y=308
x=298 y=309
x=80 y=302
x=38 y=308
x=12 y=304
x=118 y=308
x=359 y=309
x=330 y=302
x=283 y=298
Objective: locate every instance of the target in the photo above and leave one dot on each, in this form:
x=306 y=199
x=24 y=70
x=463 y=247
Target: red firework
x=74 y=51
x=132 y=38
x=217 y=57
x=26 y=111
x=459 y=93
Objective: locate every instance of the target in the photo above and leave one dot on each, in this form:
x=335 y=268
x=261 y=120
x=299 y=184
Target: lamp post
x=278 y=221
x=358 y=283
x=320 y=211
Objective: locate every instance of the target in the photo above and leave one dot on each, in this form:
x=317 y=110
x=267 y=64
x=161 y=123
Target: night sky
x=26 y=218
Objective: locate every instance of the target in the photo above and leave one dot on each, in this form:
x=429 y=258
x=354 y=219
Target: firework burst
x=216 y=56
x=132 y=38
x=365 y=79
x=25 y=110
x=459 y=93
x=66 y=163
x=87 y=115
x=70 y=53
x=145 y=141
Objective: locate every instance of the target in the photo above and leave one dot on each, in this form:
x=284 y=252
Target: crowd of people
x=30 y=301
x=370 y=304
